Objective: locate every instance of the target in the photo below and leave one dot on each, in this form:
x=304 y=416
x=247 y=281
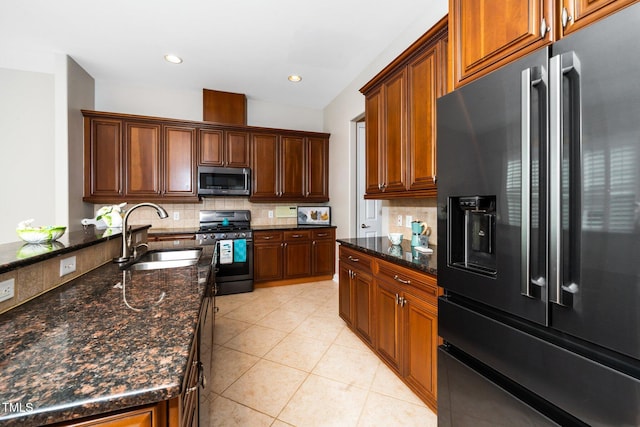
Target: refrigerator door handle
x=565 y=176
x=532 y=79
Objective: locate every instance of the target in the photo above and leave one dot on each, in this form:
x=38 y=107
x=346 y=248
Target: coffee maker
x=419 y=233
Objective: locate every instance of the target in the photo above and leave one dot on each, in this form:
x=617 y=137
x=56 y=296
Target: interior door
x=369 y=215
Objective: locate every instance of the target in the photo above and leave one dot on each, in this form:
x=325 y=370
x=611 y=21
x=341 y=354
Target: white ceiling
x=243 y=46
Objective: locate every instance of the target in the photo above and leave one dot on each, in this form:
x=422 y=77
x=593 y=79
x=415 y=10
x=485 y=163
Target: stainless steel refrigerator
x=539 y=236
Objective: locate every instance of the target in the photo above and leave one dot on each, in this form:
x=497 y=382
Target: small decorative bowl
x=41 y=234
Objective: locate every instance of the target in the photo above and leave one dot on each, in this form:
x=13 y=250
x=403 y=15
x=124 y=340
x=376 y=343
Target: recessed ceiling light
x=294 y=78
x=173 y=59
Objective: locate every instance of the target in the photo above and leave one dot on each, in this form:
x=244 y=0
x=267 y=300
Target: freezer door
x=595 y=279
x=492 y=146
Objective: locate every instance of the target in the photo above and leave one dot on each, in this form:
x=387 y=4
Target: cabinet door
x=267 y=261
x=264 y=166
x=323 y=255
x=142 y=142
x=317 y=169
x=297 y=257
x=388 y=323
x=575 y=14
x=420 y=345
x=211 y=151
x=345 y=293
x=423 y=89
x=237 y=149
x=394 y=145
x=362 y=305
x=179 y=161
x=103 y=158
x=291 y=167
x=489 y=33
x=373 y=132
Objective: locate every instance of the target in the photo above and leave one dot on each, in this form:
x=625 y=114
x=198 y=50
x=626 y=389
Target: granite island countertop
x=107 y=340
x=402 y=254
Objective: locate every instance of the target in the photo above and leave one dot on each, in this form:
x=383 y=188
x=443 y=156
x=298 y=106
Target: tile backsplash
x=423 y=210
x=187 y=214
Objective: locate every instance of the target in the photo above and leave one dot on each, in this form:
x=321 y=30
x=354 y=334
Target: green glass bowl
x=41 y=234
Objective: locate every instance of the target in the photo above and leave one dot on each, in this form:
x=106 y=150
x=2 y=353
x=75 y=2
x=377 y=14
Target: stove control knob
x=223 y=236
x=204 y=237
x=243 y=235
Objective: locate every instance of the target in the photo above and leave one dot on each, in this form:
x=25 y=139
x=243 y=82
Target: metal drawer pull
x=398 y=279
x=323 y=234
x=353 y=259
x=296 y=235
x=268 y=237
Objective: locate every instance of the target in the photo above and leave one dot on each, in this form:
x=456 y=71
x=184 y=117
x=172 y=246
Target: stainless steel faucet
x=126 y=230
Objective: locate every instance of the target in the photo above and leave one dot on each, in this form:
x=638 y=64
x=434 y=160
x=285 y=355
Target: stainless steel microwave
x=224 y=181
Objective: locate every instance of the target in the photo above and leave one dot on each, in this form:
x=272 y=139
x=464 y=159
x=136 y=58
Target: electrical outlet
x=7 y=289
x=407 y=221
x=138 y=237
x=270 y=213
x=399 y=221
x=176 y=216
x=67 y=265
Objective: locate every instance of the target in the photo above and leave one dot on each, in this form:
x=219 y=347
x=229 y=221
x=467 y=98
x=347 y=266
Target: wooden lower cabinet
x=293 y=256
x=355 y=291
x=394 y=310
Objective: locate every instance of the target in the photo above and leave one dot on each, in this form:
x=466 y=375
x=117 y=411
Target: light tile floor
x=283 y=357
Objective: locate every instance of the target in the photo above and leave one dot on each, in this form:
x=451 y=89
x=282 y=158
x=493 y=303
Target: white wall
x=27 y=165
x=187 y=105
x=349 y=105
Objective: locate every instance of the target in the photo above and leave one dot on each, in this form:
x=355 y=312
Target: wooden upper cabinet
x=211 y=147
x=373 y=122
x=219 y=147
x=575 y=14
x=237 y=151
x=317 y=174
x=424 y=87
x=179 y=161
x=292 y=167
x=103 y=156
x=393 y=146
x=264 y=166
x=142 y=150
x=486 y=34
x=400 y=119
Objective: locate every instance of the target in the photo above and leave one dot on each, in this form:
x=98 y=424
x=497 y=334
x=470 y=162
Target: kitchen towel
x=226 y=251
x=240 y=250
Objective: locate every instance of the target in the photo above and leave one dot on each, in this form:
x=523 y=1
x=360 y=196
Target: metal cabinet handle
x=350 y=258
x=397 y=299
x=398 y=279
x=323 y=234
x=296 y=235
x=543 y=28
x=268 y=237
x=565 y=17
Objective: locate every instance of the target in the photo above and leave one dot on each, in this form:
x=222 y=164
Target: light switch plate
x=399 y=221
x=407 y=221
x=67 y=265
x=7 y=289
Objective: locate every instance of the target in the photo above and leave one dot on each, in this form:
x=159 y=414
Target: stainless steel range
x=230 y=231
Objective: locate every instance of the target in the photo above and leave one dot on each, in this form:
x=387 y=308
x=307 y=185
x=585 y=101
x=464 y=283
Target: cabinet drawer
x=404 y=276
x=266 y=237
x=355 y=258
x=297 y=235
x=323 y=234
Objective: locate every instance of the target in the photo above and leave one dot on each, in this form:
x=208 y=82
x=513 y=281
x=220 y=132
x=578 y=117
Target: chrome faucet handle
x=135 y=249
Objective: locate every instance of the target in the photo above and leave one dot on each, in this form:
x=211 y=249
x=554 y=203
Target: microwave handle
x=246 y=180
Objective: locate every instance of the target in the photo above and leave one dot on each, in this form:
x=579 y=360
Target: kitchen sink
x=171 y=258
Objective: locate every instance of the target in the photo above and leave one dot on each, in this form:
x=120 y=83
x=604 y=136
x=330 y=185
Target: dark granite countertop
x=403 y=254
x=20 y=254
x=83 y=349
